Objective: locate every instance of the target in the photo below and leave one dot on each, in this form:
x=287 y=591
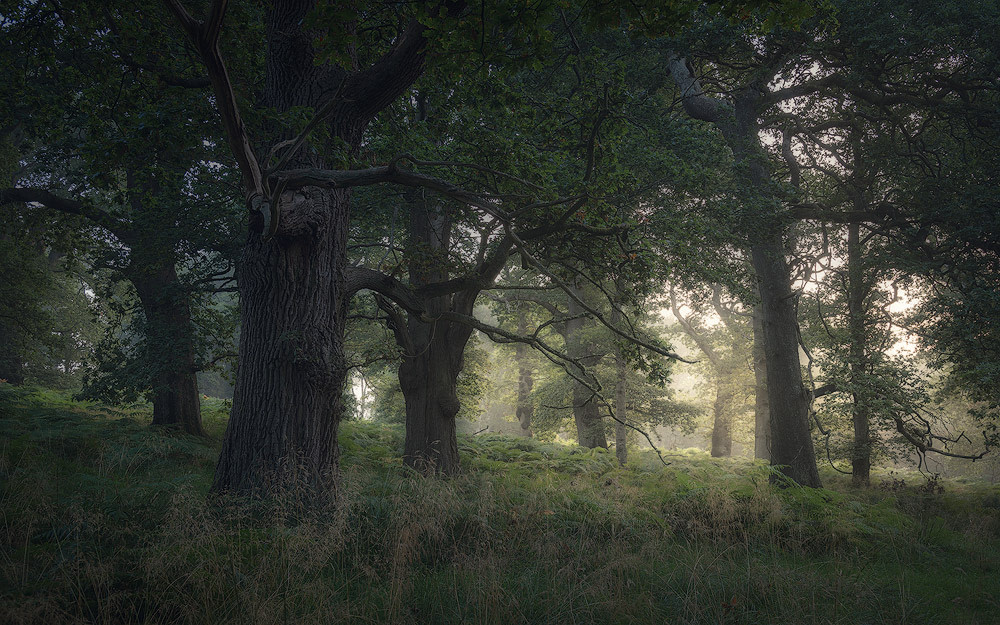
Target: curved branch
x=534 y=262
x=699 y=340
x=109 y=222
x=696 y=103
x=362 y=278
x=205 y=38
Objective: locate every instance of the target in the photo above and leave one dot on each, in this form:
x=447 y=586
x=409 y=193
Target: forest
x=506 y=311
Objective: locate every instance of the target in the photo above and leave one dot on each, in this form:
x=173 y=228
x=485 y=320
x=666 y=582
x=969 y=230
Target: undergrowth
x=106 y=520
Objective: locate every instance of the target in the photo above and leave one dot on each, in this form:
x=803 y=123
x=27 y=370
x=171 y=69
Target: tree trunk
x=621 y=433
x=722 y=370
x=287 y=401
x=169 y=343
x=621 y=378
x=433 y=352
x=11 y=363
x=722 y=437
x=589 y=425
x=428 y=380
x=525 y=375
x=762 y=409
x=791 y=441
x=857 y=293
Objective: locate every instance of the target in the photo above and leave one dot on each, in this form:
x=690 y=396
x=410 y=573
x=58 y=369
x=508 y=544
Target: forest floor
x=106 y=520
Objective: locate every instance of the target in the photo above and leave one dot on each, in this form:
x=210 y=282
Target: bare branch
x=689 y=329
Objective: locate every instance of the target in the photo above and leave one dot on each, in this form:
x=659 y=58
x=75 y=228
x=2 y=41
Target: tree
x=287 y=401
x=791 y=442
x=863 y=134
x=726 y=351
x=101 y=143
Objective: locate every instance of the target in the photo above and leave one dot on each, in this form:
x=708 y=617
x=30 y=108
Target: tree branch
x=696 y=103
x=109 y=222
x=205 y=38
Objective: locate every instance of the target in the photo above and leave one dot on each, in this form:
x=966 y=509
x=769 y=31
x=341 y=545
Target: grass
x=106 y=520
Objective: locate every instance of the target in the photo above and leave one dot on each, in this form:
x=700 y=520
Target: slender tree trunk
x=169 y=343
x=525 y=375
x=722 y=437
x=621 y=398
x=857 y=293
x=589 y=425
x=11 y=362
x=723 y=372
x=762 y=409
x=621 y=432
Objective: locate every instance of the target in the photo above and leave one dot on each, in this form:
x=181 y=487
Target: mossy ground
x=106 y=520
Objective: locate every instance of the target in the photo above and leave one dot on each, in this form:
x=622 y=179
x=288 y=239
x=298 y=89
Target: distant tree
x=99 y=140
x=726 y=349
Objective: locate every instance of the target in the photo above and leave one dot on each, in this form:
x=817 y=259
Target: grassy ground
x=106 y=520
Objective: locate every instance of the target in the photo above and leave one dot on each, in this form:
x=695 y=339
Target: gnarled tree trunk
x=293 y=294
x=293 y=303
x=433 y=348
x=429 y=381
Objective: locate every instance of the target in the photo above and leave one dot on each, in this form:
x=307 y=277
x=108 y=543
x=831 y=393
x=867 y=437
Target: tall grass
x=105 y=520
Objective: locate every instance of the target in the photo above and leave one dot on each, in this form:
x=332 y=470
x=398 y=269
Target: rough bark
x=287 y=397
x=525 y=374
x=857 y=293
x=170 y=342
x=762 y=407
x=293 y=292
